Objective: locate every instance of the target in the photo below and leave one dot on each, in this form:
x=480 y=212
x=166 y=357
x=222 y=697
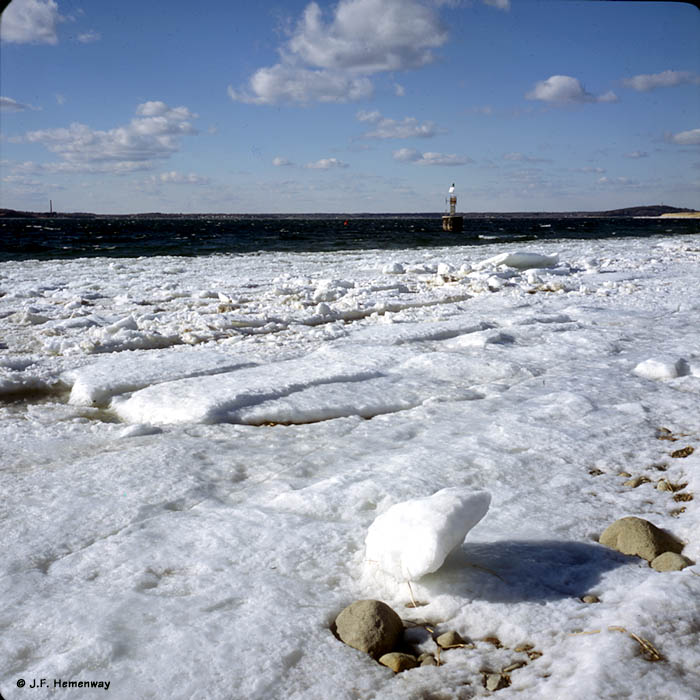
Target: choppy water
x=23 y=239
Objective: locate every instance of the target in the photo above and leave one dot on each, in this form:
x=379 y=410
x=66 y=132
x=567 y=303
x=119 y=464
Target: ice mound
x=414 y=537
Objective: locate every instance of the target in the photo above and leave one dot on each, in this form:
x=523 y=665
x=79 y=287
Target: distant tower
x=452 y=222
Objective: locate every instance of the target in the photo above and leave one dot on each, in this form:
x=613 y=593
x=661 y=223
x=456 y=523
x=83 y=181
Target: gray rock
x=398 y=662
x=670 y=561
x=370 y=626
x=450 y=639
x=639 y=537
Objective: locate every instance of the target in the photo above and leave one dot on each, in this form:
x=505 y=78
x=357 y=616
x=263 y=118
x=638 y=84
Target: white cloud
x=589 y=169
x=154 y=134
x=326 y=164
x=410 y=155
x=89 y=37
x=330 y=61
x=176 y=178
x=294 y=84
x=399 y=90
x=564 y=89
x=522 y=158
x=687 y=138
x=30 y=22
x=281 y=162
x=7 y=104
x=636 y=154
x=499 y=4
x=667 y=78
x=385 y=128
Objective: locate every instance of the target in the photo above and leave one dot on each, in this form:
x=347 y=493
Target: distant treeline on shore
x=646 y=211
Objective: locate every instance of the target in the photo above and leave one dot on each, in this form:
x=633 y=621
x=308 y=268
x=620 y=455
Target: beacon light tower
x=452 y=222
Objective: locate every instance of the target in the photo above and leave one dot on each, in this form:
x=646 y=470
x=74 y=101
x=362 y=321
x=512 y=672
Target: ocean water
x=25 y=239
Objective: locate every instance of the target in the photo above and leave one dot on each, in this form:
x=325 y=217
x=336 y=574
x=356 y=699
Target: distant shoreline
x=642 y=212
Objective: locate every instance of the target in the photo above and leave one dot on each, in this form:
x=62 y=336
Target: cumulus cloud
x=30 y=22
x=281 y=162
x=283 y=83
x=155 y=133
x=384 y=128
x=410 y=155
x=331 y=60
x=668 y=78
x=686 y=138
x=326 y=164
x=563 y=89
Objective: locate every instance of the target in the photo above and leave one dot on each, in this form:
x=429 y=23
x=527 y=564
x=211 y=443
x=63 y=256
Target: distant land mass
x=657 y=210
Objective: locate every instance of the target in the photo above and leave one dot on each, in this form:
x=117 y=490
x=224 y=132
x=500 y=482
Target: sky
x=352 y=106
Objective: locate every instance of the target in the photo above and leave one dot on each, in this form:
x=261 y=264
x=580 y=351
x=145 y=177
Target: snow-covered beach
x=193 y=451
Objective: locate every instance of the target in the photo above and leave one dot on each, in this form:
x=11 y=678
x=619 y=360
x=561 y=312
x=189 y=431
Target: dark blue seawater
x=56 y=238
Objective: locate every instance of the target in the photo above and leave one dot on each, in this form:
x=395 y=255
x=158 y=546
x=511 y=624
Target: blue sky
x=350 y=106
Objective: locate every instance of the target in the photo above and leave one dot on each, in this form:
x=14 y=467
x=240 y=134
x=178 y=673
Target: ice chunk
x=394 y=269
x=521 y=260
x=664 y=368
x=414 y=537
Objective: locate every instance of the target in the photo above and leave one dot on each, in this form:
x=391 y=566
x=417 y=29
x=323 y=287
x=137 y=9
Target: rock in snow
x=640 y=538
x=414 y=537
x=370 y=626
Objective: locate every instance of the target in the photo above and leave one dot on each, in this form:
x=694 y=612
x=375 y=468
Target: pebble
x=427 y=659
x=496 y=681
x=398 y=662
x=590 y=599
x=670 y=561
x=450 y=639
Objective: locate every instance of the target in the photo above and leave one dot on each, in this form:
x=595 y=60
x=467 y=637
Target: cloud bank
x=410 y=155
x=154 y=134
x=668 y=78
x=332 y=61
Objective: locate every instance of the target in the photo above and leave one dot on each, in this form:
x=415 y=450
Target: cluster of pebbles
x=375 y=628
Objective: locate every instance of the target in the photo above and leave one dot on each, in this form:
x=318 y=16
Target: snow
x=194 y=452
x=414 y=537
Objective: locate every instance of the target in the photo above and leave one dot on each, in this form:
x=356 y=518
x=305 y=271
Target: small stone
x=639 y=537
x=664 y=485
x=495 y=641
x=590 y=599
x=624 y=474
x=524 y=647
x=685 y=452
x=427 y=659
x=670 y=561
x=636 y=481
x=398 y=662
x=514 y=666
x=370 y=626
x=496 y=681
x=450 y=639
